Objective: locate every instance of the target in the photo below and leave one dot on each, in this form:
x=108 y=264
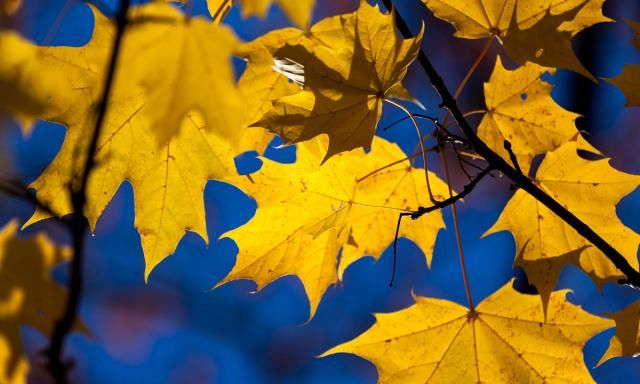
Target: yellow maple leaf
x=28 y=295
x=260 y=85
x=626 y=341
x=307 y=212
x=545 y=243
x=506 y=339
x=520 y=109
x=628 y=81
x=400 y=186
x=218 y=9
x=184 y=65
x=168 y=180
x=346 y=75
x=23 y=92
x=299 y=11
x=536 y=31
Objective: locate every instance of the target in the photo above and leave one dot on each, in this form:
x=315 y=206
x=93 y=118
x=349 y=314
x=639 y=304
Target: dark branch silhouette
x=438 y=205
x=16 y=188
x=518 y=178
x=57 y=367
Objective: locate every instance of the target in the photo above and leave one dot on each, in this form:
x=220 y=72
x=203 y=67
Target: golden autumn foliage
x=347 y=76
x=307 y=213
x=520 y=109
x=544 y=243
x=176 y=115
x=535 y=31
x=28 y=295
x=506 y=339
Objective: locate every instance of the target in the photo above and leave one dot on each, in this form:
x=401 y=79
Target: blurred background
x=175 y=329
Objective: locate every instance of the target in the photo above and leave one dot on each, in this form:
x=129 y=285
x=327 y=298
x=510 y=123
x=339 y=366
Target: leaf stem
x=57 y=367
x=456 y=227
x=474 y=66
x=497 y=162
x=474 y=112
x=412 y=156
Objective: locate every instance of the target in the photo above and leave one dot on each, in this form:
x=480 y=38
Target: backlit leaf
x=520 y=109
x=168 y=180
x=260 y=85
x=23 y=91
x=347 y=73
x=505 y=340
x=28 y=295
x=307 y=213
x=540 y=235
x=539 y=31
x=183 y=65
x=299 y=11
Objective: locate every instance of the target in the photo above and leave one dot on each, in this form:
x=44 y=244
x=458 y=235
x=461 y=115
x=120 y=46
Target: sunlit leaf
x=307 y=213
x=506 y=339
x=346 y=73
x=541 y=235
x=28 y=295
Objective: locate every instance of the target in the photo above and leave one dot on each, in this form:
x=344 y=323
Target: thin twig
x=57 y=367
x=456 y=226
x=17 y=189
x=395 y=246
x=424 y=210
x=422 y=148
x=416 y=115
x=512 y=156
x=497 y=162
x=416 y=154
x=433 y=148
x=452 y=199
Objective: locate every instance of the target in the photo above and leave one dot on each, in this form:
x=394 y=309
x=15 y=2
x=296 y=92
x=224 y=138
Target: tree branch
x=521 y=180
x=15 y=188
x=57 y=367
x=451 y=200
x=438 y=205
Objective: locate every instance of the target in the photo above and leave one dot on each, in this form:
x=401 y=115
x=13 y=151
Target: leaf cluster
x=174 y=117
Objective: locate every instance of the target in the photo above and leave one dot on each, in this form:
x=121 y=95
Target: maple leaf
x=371 y=229
x=299 y=11
x=544 y=44
x=184 y=64
x=545 y=243
x=218 y=9
x=346 y=75
x=167 y=180
x=28 y=295
x=626 y=341
x=23 y=92
x=520 y=109
x=260 y=85
x=506 y=339
x=306 y=213
x=628 y=81
x=538 y=31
